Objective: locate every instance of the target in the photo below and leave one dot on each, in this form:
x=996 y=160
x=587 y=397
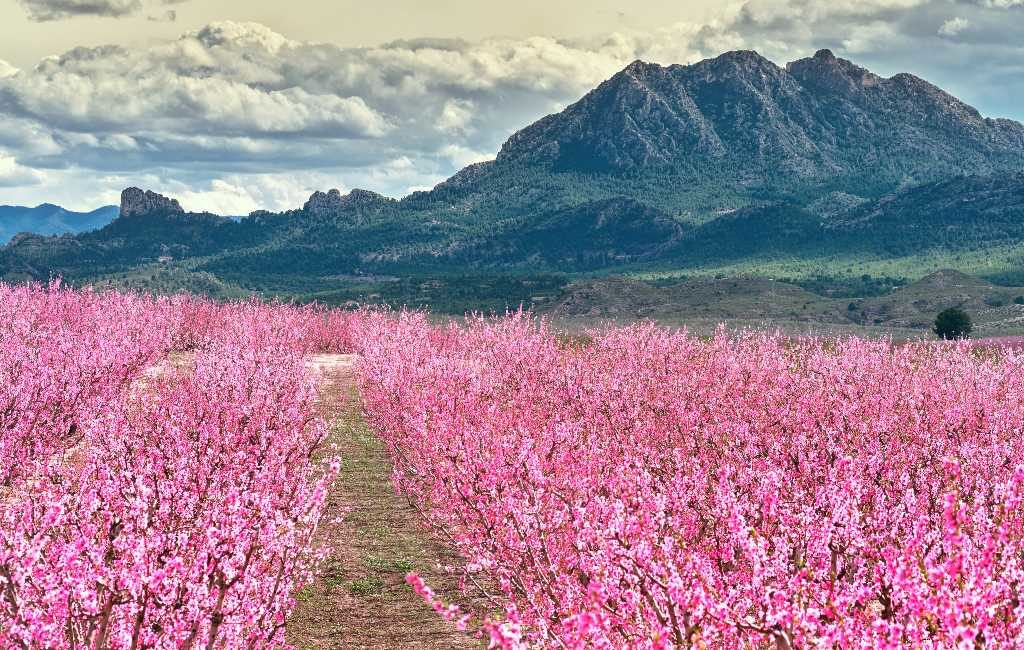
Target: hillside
x=751 y=301
x=819 y=173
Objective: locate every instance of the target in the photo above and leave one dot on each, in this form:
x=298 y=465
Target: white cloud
x=954 y=26
x=463 y=157
x=456 y=116
x=1002 y=4
x=240 y=112
x=772 y=11
x=868 y=37
x=14 y=175
x=240 y=195
x=235 y=99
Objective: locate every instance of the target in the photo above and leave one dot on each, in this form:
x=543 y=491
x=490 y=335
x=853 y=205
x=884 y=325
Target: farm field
x=181 y=473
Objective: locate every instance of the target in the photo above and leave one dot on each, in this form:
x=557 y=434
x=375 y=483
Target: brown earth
x=374 y=538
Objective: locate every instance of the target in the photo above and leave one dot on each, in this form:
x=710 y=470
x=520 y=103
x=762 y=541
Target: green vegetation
x=952 y=324
x=367 y=586
x=389 y=565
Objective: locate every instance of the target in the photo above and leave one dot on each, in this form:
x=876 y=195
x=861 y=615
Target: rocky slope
x=815 y=117
x=357 y=202
x=752 y=301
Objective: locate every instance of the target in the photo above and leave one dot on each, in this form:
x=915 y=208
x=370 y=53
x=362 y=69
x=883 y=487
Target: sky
x=237 y=105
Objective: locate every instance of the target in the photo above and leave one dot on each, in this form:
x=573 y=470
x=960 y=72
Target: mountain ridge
x=732 y=165
x=662 y=114
x=50 y=219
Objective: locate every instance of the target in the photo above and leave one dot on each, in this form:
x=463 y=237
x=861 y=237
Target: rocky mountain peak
x=825 y=72
x=467 y=176
x=333 y=202
x=815 y=117
x=740 y=63
x=637 y=66
x=640 y=70
x=135 y=202
x=323 y=203
x=749 y=57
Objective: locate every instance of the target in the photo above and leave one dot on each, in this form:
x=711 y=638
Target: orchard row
x=150 y=498
x=652 y=489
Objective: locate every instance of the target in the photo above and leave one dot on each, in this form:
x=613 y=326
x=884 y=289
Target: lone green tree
x=952 y=324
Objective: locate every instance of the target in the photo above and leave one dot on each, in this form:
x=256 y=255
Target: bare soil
x=374 y=538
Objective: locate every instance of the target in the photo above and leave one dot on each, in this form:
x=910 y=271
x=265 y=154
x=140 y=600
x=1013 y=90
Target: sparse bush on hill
x=952 y=324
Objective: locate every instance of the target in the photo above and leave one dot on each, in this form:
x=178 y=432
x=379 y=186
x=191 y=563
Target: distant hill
x=995 y=308
x=819 y=173
x=761 y=301
x=742 y=298
x=49 y=219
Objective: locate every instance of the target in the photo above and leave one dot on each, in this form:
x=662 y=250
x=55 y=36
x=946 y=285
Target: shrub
x=953 y=324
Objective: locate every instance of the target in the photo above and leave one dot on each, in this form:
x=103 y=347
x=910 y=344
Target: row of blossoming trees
x=651 y=489
x=645 y=489
x=146 y=503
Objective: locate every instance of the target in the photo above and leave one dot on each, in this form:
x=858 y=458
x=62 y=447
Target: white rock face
x=332 y=203
x=135 y=202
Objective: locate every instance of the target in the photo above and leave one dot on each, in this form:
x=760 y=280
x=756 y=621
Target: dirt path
x=360 y=600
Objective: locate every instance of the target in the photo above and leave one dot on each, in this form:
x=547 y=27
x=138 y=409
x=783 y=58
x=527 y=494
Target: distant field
x=702 y=303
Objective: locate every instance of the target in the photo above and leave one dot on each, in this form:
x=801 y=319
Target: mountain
x=49 y=219
x=819 y=172
x=816 y=118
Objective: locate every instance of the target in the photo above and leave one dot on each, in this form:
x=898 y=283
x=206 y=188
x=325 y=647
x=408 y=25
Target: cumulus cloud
x=45 y=10
x=241 y=112
x=786 y=11
x=456 y=116
x=14 y=175
x=954 y=26
x=240 y=98
x=6 y=69
x=464 y=156
x=168 y=16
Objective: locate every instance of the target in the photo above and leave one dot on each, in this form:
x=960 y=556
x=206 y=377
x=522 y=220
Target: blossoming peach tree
x=147 y=504
x=656 y=490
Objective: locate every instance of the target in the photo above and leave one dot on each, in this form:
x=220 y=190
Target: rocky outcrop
x=135 y=202
x=467 y=177
x=334 y=203
x=826 y=73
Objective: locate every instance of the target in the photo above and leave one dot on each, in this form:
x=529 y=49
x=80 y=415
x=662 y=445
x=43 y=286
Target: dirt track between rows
x=374 y=538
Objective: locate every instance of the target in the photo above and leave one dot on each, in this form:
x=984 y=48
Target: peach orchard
x=164 y=469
